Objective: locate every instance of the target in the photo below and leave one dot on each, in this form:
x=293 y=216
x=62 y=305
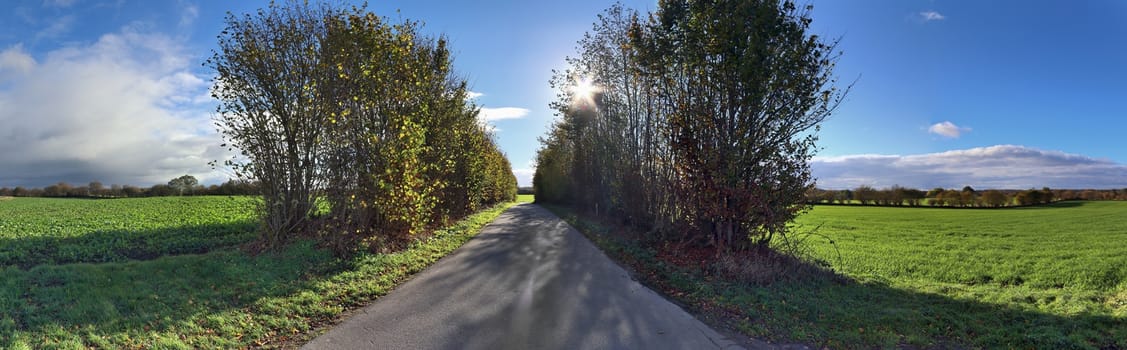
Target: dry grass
x=762 y=267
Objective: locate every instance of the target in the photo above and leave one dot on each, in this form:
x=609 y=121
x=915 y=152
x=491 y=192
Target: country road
x=527 y=281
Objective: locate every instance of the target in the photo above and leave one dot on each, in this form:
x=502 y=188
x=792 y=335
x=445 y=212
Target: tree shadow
x=123 y=245
x=527 y=281
x=190 y=293
x=875 y=314
x=1054 y=205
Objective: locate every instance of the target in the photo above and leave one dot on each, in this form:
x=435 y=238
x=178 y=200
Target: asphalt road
x=527 y=281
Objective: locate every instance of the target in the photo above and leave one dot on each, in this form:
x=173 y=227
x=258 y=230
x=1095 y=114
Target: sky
x=999 y=94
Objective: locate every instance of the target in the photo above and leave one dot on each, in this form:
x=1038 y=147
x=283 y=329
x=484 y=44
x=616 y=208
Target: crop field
x=37 y=231
x=165 y=273
x=1052 y=276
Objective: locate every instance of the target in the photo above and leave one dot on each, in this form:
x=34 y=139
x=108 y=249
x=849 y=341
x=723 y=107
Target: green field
x=1049 y=277
x=47 y=230
x=1074 y=246
x=166 y=273
x=1052 y=276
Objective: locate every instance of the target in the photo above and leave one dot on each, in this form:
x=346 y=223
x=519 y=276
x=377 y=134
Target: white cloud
x=470 y=95
x=947 y=129
x=1001 y=167
x=931 y=15
x=15 y=63
x=120 y=110
x=524 y=176
x=491 y=114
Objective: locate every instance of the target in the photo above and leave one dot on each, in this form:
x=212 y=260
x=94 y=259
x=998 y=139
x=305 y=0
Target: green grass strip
x=221 y=299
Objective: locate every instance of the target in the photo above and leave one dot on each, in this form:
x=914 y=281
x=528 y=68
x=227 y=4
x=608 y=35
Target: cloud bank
x=1000 y=167
x=947 y=129
x=125 y=109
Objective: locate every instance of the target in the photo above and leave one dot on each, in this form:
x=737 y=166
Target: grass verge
x=221 y=299
x=856 y=312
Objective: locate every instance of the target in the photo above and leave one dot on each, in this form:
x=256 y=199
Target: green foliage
x=265 y=67
x=223 y=298
x=186 y=183
x=1030 y=278
x=368 y=114
x=703 y=120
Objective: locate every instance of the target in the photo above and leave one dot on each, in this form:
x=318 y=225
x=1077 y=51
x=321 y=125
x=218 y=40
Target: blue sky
x=1001 y=94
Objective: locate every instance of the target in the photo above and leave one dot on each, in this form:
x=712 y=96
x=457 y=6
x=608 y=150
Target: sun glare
x=583 y=93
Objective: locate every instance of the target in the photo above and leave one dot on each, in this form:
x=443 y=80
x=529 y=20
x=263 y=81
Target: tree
x=116 y=190
x=131 y=191
x=844 y=196
x=267 y=68
x=705 y=118
x=342 y=105
x=897 y=194
x=865 y=194
x=954 y=198
x=1034 y=197
x=994 y=198
x=96 y=188
x=914 y=196
x=186 y=183
x=935 y=192
x=967 y=196
x=159 y=190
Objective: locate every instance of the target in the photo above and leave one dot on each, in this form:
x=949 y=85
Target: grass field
x=165 y=273
x=1069 y=246
x=1051 y=277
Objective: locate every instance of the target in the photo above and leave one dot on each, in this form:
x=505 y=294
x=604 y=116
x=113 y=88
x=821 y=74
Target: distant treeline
x=968 y=197
x=96 y=189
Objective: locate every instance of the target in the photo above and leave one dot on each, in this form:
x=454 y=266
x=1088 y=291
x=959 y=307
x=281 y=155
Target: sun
x=583 y=93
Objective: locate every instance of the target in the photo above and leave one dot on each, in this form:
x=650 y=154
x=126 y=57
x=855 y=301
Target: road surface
x=527 y=281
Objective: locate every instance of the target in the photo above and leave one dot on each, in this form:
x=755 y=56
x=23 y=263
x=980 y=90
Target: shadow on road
x=530 y=281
